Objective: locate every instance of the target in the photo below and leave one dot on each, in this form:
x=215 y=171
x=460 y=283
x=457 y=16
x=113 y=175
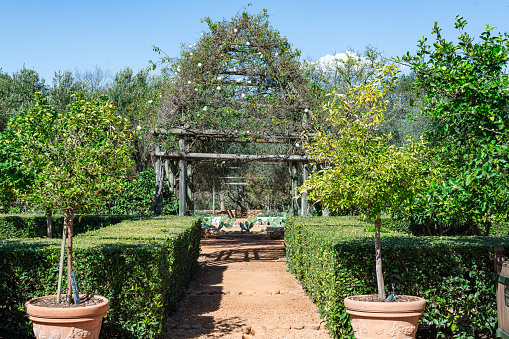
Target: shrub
x=454 y=274
x=137 y=196
x=34 y=225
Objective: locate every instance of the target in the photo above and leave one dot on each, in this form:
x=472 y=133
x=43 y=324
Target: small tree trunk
x=221 y=200
x=49 y=228
x=68 y=222
x=378 y=251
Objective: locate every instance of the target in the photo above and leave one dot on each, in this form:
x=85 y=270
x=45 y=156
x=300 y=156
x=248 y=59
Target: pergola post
x=304 y=201
x=171 y=174
x=189 y=188
x=182 y=178
x=157 y=205
x=295 y=182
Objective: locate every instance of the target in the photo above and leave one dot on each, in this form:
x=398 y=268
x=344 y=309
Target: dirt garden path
x=243 y=291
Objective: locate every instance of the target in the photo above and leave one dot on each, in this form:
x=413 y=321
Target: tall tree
x=466 y=97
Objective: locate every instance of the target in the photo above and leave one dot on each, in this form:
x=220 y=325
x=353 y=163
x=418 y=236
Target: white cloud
x=329 y=62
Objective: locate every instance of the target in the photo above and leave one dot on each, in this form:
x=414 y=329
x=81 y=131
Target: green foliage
x=465 y=86
x=363 y=169
x=331 y=256
x=17 y=93
x=77 y=157
x=225 y=222
x=137 y=195
x=142 y=267
x=247 y=225
x=13 y=178
x=241 y=77
x=34 y=225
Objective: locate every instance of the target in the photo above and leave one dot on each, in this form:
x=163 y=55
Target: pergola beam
x=220 y=136
x=229 y=157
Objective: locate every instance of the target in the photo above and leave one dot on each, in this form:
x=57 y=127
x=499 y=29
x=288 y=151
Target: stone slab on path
x=243 y=291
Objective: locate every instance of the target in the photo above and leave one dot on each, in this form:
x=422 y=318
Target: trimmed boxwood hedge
x=34 y=225
x=142 y=267
x=334 y=258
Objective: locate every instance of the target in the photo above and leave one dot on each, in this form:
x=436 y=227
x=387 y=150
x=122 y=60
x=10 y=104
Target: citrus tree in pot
x=79 y=158
x=361 y=168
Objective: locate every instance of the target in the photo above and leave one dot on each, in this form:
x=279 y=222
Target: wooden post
x=213 y=198
x=182 y=179
x=294 y=202
x=189 y=188
x=157 y=205
x=172 y=176
x=304 y=201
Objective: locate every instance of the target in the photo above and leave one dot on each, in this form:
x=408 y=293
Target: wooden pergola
x=175 y=165
x=241 y=75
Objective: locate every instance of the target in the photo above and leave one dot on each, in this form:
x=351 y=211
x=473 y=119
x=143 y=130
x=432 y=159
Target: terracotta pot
x=391 y=320
x=67 y=323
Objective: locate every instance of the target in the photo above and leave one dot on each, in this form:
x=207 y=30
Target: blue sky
x=51 y=35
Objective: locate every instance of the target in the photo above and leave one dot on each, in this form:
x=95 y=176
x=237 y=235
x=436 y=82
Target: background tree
x=363 y=169
x=17 y=93
x=466 y=97
x=79 y=157
x=136 y=97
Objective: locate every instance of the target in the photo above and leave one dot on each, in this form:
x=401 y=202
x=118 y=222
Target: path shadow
x=205 y=293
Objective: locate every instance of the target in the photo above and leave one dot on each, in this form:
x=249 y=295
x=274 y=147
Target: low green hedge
x=34 y=225
x=142 y=267
x=334 y=258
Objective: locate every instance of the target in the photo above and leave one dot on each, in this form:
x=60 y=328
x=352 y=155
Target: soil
x=375 y=298
x=85 y=300
x=243 y=290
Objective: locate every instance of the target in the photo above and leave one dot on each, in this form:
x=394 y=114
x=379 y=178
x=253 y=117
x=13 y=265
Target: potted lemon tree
x=78 y=158
x=362 y=169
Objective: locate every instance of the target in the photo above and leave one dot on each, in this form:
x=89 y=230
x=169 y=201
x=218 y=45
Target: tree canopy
x=466 y=98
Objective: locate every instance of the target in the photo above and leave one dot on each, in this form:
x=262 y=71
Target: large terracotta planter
x=67 y=323
x=391 y=320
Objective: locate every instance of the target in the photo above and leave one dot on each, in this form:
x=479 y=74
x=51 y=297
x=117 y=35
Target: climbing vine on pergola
x=241 y=77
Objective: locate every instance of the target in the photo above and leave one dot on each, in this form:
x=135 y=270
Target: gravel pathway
x=243 y=291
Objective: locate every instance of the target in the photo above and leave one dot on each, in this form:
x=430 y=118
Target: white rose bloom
x=218 y=88
x=138 y=127
x=190 y=46
x=191 y=53
x=306 y=110
x=189 y=82
x=248 y=43
x=199 y=64
x=196 y=89
x=239 y=80
x=205 y=108
x=235 y=30
x=243 y=95
x=150 y=101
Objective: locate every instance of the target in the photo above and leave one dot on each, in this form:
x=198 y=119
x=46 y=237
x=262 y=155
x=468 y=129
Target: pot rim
x=66 y=312
x=356 y=306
